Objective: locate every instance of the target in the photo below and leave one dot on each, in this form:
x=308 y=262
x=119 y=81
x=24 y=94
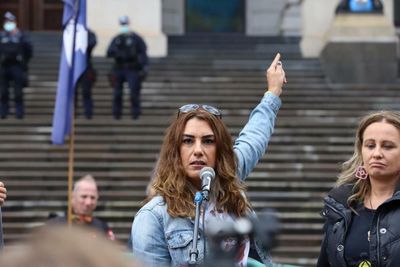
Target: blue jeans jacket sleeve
x=252 y=141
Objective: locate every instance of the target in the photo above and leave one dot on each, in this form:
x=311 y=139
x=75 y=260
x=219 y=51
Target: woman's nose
x=198 y=148
x=377 y=153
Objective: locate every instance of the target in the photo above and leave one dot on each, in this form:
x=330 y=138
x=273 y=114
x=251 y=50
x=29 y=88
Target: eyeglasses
x=191 y=107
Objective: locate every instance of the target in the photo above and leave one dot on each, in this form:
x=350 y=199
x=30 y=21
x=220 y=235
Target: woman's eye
x=209 y=141
x=369 y=146
x=388 y=146
x=187 y=141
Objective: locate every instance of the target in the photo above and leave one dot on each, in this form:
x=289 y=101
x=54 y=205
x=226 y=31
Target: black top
x=15 y=49
x=357 y=243
x=129 y=51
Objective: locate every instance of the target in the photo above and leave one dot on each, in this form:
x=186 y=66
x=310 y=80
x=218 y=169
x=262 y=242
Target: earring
x=361 y=173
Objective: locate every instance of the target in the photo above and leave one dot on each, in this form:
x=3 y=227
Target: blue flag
x=72 y=65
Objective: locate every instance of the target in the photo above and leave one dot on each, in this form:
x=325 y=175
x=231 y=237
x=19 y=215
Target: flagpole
x=71 y=157
x=71 y=144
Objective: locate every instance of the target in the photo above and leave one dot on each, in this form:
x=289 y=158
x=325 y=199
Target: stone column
x=145 y=18
x=360 y=48
x=317 y=17
x=173 y=17
x=264 y=17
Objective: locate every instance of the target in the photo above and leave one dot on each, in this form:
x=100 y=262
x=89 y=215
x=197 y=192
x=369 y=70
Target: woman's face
x=381 y=150
x=198 y=149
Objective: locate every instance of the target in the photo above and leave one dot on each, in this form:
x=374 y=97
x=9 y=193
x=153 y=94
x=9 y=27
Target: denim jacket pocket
x=179 y=239
x=179 y=244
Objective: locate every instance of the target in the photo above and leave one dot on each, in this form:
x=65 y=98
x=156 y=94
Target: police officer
x=88 y=78
x=15 y=53
x=130 y=65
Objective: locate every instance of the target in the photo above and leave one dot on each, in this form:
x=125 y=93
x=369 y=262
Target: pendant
x=369 y=236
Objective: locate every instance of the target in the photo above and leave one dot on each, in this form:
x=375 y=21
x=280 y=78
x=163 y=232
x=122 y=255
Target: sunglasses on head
x=191 y=107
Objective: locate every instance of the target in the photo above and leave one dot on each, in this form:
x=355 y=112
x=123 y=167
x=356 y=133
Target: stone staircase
x=313 y=135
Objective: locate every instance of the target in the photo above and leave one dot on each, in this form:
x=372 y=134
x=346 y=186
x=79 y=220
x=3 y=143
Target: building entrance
x=35 y=15
x=215 y=15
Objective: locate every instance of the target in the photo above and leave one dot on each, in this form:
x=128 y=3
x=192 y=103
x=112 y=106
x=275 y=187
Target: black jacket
x=129 y=52
x=384 y=245
x=15 y=49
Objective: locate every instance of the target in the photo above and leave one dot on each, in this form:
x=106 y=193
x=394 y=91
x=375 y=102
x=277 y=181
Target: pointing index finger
x=275 y=61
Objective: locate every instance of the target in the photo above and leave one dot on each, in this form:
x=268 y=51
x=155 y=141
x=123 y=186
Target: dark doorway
x=397 y=13
x=35 y=15
x=215 y=15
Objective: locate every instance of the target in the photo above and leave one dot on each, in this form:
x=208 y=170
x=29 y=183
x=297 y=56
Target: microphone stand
x=194 y=252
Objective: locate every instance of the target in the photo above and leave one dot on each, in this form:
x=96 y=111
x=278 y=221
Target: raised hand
x=275 y=76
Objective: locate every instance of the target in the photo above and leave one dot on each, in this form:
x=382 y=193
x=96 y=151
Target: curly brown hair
x=170 y=178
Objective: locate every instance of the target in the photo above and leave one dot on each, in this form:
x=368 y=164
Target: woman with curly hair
x=162 y=232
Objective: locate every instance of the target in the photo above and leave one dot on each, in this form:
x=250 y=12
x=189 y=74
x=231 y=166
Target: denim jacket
x=161 y=240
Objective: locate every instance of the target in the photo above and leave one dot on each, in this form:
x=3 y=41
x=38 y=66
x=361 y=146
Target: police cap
x=123 y=20
x=9 y=16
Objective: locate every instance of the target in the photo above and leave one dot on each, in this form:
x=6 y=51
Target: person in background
x=360 y=6
x=62 y=246
x=84 y=202
x=3 y=193
x=362 y=211
x=130 y=65
x=15 y=53
x=3 y=196
x=162 y=231
x=88 y=78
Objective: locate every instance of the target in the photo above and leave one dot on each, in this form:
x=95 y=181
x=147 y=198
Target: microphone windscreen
x=207 y=172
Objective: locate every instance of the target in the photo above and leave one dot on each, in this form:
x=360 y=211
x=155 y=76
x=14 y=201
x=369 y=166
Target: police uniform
x=15 y=53
x=130 y=65
x=88 y=78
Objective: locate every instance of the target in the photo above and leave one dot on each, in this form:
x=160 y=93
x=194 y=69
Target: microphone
x=267 y=227
x=219 y=229
x=207 y=174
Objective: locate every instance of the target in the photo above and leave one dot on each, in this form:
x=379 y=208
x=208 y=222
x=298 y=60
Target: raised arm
x=253 y=140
